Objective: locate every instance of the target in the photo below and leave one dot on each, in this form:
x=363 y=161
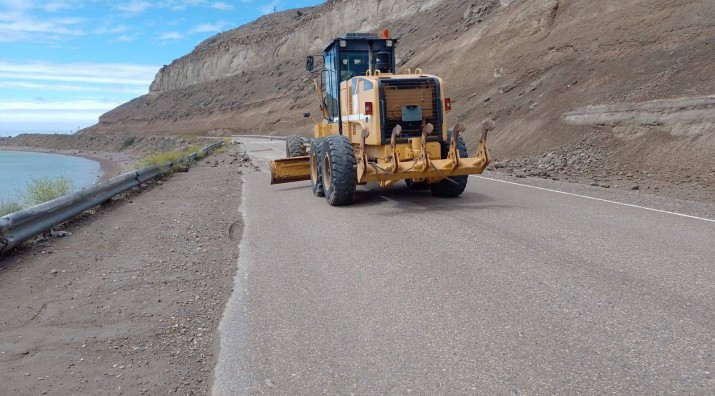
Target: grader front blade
x=287 y=170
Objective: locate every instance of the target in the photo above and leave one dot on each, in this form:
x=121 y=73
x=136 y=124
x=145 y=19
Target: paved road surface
x=506 y=290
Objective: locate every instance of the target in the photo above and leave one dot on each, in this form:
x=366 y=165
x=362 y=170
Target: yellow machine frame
x=418 y=159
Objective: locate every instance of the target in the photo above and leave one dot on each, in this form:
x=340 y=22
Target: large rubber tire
x=338 y=167
x=452 y=186
x=295 y=147
x=413 y=185
x=316 y=173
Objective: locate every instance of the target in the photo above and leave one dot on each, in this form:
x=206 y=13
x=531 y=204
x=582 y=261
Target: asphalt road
x=508 y=289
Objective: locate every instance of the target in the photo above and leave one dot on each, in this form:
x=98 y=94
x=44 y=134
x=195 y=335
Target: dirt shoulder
x=129 y=303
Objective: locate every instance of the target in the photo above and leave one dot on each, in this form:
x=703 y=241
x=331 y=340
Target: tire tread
x=452 y=186
x=342 y=159
x=295 y=147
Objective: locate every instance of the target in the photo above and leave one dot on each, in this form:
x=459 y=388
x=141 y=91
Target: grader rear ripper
x=378 y=126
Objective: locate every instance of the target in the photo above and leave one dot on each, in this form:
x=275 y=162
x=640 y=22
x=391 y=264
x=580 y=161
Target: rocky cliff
x=533 y=66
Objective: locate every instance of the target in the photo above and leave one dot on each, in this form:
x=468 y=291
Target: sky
x=63 y=63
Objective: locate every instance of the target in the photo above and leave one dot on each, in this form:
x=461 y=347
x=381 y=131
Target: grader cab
x=378 y=126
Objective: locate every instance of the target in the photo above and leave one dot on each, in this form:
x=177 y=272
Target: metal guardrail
x=18 y=227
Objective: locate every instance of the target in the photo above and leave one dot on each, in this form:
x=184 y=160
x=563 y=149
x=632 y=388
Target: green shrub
x=127 y=142
x=221 y=150
x=7 y=207
x=166 y=156
x=43 y=189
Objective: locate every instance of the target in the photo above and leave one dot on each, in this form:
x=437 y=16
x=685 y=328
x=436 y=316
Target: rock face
x=546 y=71
x=280 y=38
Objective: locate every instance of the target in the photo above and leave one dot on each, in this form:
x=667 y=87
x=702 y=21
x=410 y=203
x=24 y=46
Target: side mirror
x=309 y=62
x=306 y=115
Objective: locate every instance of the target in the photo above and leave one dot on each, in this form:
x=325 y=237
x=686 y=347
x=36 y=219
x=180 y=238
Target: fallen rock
x=58 y=234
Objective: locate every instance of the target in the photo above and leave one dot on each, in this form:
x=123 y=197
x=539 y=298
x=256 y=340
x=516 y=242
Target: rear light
x=368 y=108
x=447 y=104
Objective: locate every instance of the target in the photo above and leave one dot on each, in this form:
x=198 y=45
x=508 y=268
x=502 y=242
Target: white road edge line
x=596 y=199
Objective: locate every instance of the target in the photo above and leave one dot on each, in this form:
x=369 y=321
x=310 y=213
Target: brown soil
x=129 y=303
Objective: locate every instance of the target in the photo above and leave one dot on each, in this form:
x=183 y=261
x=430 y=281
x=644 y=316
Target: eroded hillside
x=627 y=81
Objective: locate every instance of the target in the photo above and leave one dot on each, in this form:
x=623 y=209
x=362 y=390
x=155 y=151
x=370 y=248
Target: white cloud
x=209 y=27
x=139 y=6
x=16 y=5
x=171 y=36
x=10 y=16
x=16 y=26
x=48 y=122
x=91 y=73
x=132 y=89
x=54 y=6
x=42 y=105
x=179 y=5
x=87 y=90
x=125 y=38
x=134 y=6
x=110 y=29
x=51 y=116
x=220 y=5
x=175 y=22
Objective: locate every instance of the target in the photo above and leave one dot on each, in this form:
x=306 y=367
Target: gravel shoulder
x=130 y=301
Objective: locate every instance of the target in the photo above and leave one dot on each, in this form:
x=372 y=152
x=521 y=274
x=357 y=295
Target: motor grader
x=378 y=125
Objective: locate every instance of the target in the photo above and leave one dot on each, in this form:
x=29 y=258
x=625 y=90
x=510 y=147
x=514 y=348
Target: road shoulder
x=129 y=303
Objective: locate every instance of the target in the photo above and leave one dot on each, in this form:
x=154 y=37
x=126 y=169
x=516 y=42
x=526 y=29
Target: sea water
x=17 y=168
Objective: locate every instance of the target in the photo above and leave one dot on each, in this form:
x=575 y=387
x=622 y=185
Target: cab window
x=353 y=63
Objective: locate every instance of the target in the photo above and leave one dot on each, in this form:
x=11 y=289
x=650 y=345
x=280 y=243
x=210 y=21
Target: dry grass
x=7 y=207
x=166 y=157
x=42 y=189
x=221 y=150
x=38 y=190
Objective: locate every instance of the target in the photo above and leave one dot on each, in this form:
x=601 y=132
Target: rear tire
x=295 y=147
x=316 y=173
x=338 y=170
x=453 y=186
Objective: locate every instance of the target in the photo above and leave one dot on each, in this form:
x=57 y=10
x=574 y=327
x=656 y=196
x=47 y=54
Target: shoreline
x=109 y=166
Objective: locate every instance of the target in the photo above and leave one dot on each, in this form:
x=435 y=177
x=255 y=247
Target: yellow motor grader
x=378 y=126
